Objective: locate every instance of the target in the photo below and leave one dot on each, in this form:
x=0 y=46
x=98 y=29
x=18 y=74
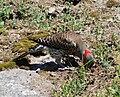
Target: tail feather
x=21 y=56
x=37 y=48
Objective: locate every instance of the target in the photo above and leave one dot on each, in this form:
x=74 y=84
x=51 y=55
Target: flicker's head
x=88 y=59
x=86 y=56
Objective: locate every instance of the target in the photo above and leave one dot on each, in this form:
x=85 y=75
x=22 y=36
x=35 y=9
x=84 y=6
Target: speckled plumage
x=67 y=41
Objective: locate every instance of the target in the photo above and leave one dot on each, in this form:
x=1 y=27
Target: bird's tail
x=21 y=56
x=36 y=49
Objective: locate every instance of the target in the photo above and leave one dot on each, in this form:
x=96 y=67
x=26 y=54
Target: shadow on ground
x=49 y=66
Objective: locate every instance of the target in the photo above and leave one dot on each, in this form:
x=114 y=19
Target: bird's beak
x=88 y=60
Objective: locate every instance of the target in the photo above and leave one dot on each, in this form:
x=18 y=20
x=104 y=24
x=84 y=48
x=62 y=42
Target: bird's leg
x=64 y=67
x=57 y=55
x=71 y=61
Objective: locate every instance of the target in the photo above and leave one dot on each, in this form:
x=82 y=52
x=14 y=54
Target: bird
x=68 y=42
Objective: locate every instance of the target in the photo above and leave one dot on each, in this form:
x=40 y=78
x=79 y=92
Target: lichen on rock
x=7 y=65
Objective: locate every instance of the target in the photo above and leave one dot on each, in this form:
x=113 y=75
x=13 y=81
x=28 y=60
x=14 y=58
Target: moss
x=3 y=31
x=111 y=3
x=23 y=45
x=7 y=65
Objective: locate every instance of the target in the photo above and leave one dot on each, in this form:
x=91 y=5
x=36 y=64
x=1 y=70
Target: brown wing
x=58 y=41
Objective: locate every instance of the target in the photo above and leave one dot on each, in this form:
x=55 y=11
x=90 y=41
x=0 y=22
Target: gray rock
x=22 y=83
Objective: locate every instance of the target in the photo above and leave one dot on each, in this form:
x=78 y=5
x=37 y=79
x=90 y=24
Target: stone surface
x=22 y=83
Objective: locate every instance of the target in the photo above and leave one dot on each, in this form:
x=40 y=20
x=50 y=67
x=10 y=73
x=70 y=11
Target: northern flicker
x=69 y=42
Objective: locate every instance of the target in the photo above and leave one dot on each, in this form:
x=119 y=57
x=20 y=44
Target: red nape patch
x=86 y=52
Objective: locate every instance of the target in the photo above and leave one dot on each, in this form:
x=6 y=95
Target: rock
x=51 y=10
x=19 y=83
x=55 y=11
x=36 y=1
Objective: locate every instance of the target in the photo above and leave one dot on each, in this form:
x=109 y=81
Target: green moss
x=7 y=65
x=22 y=45
x=3 y=31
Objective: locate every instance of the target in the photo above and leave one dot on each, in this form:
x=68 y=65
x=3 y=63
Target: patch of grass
x=1 y=23
x=70 y=22
x=118 y=70
x=102 y=51
x=76 y=86
x=4 y=11
x=106 y=54
x=110 y=89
